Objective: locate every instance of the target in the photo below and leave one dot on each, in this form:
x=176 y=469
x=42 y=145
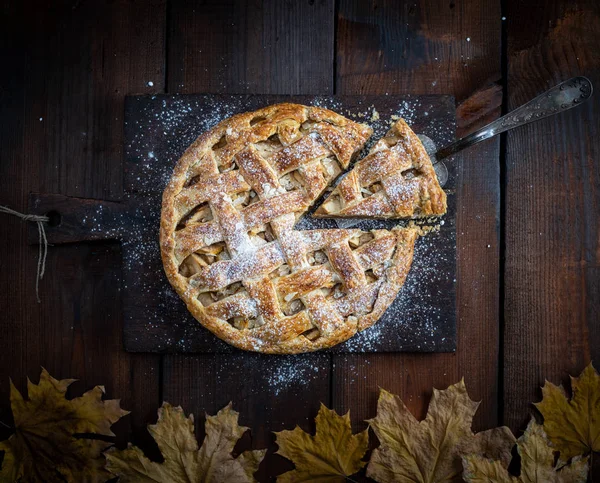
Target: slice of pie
x=228 y=244
x=395 y=180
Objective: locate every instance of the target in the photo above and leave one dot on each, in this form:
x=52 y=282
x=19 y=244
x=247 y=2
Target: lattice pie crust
x=230 y=250
x=395 y=180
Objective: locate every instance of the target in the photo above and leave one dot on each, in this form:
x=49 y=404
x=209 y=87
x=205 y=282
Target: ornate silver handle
x=562 y=97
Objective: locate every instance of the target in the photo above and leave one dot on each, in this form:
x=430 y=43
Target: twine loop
x=43 y=242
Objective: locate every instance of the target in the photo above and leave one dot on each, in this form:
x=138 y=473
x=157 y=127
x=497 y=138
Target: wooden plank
x=423 y=47
x=478 y=235
x=450 y=48
x=552 y=274
x=234 y=47
x=74 y=61
x=14 y=252
x=261 y=47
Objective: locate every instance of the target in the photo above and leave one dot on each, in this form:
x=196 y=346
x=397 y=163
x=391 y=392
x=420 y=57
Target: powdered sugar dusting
x=292 y=370
x=273 y=376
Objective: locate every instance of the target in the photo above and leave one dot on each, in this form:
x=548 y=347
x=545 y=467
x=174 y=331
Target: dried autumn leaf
x=331 y=455
x=183 y=461
x=537 y=463
x=573 y=425
x=478 y=469
x=45 y=446
x=430 y=450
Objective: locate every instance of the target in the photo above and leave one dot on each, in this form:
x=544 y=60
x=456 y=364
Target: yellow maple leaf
x=537 y=463
x=45 y=446
x=430 y=450
x=573 y=425
x=331 y=455
x=183 y=461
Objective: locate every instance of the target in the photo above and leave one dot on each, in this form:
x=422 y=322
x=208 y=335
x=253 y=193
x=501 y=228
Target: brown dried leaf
x=478 y=469
x=431 y=450
x=537 y=463
x=573 y=425
x=331 y=455
x=183 y=461
x=45 y=446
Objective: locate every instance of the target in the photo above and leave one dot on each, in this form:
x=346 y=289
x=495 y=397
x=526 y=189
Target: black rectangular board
x=159 y=128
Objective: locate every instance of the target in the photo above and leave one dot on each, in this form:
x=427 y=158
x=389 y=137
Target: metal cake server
x=562 y=97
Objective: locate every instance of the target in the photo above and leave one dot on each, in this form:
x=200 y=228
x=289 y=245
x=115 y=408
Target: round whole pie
x=230 y=249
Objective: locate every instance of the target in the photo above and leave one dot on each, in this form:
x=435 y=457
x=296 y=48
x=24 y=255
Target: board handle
x=74 y=220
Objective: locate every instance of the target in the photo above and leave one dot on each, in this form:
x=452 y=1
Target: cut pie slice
x=395 y=180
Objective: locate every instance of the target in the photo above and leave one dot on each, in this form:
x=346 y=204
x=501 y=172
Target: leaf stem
x=6 y=425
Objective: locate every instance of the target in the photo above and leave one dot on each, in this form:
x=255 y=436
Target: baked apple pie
x=228 y=242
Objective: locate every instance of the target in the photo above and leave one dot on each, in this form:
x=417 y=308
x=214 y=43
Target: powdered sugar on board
x=159 y=129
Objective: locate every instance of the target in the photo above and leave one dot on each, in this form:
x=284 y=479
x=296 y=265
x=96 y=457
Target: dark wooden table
x=529 y=203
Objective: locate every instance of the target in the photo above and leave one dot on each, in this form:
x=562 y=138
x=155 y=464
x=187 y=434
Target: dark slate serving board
x=157 y=131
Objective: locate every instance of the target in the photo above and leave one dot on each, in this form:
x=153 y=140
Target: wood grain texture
x=268 y=47
x=14 y=252
x=423 y=47
x=552 y=294
x=73 y=62
x=478 y=247
x=395 y=47
x=250 y=46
